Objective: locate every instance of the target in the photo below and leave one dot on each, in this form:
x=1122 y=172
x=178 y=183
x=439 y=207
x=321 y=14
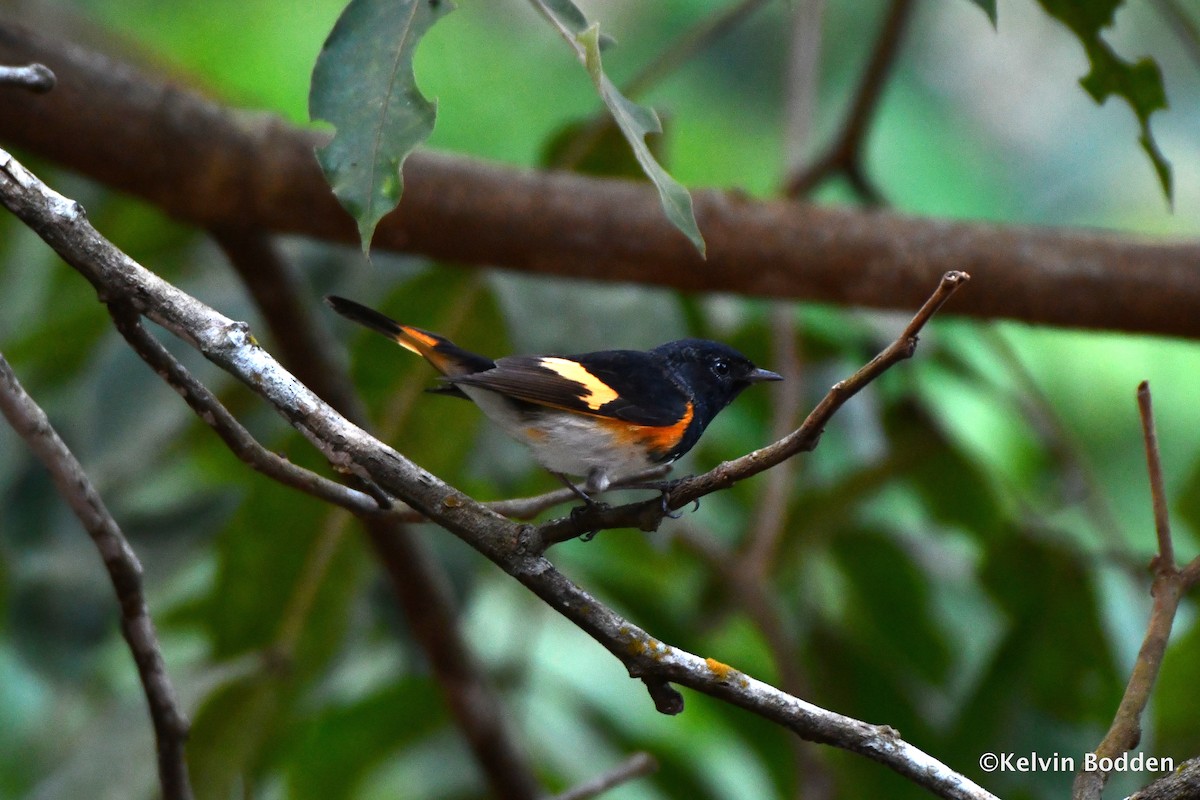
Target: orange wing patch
x=598 y=394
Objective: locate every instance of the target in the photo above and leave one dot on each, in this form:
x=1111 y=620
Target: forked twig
x=1167 y=589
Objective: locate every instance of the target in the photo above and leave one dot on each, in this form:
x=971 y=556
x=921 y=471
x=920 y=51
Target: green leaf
x=1139 y=84
x=989 y=8
x=363 y=83
x=636 y=122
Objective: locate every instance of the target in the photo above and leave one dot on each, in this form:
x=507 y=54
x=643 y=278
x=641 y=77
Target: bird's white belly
x=571 y=444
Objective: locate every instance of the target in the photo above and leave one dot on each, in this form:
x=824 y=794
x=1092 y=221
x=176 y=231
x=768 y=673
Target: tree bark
x=207 y=164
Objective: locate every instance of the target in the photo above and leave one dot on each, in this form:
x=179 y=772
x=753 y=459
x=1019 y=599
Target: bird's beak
x=760 y=375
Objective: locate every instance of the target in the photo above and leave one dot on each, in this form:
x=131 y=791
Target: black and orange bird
x=603 y=416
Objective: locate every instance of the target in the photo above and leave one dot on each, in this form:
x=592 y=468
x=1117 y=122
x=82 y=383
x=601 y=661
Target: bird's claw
x=579 y=512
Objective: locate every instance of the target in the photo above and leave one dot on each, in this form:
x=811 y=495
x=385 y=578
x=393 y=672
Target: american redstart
x=605 y=415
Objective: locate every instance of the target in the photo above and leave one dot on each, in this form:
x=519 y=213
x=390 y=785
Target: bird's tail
x=445 y=356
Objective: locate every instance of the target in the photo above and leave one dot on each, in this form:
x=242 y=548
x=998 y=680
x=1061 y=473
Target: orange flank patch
x=658 y=439
x=535 y=434
x=598 y=392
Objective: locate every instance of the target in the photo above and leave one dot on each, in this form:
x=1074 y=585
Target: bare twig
x=845 y=155
x=1158 y=494
x=1191 y=573
x=802 y=81
x=1168 y=587
x=213 y=166
x=515 y=548
x=124 y=570
x=632 y=768
x=526 y=508
x=37 y=78
x=648 y=515
x=216 y=416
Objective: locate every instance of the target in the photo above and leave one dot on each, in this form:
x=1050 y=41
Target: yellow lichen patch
x=722 y=671
x=647 y=646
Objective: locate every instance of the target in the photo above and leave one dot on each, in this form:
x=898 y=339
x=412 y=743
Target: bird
x=602 y=416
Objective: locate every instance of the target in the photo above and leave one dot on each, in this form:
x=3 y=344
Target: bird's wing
x=626 y=385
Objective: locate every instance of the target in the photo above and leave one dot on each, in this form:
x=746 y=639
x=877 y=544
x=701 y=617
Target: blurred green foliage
x=963 y=557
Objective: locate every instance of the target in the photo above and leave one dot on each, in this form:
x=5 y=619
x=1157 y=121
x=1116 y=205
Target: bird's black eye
x=720 y=367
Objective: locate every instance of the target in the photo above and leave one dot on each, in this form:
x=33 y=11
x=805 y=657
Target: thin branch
x=208 y=164
x=647 y=515
x=418 y=581
x=239 y=441
x=632 y=768
x=1191 y=573
x=511 y=546
x=124 y=570
x=526 y=508
x=37 y=78
x=1158 y=494
x=845 y=156
x=802 y=81
x=1168 y=587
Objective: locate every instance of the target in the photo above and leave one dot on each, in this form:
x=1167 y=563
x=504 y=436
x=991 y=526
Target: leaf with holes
x=1139 y=84
x=363 y=83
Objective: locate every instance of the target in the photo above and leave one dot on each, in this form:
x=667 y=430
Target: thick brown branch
x=206 y=164
x=124 y=570
x=61 y=223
